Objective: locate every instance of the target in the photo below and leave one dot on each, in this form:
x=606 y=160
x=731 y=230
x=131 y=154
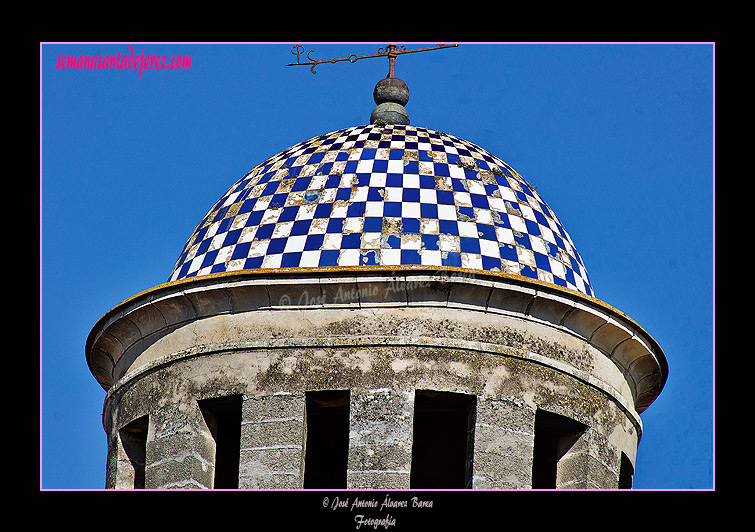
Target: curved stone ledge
x=132 y=328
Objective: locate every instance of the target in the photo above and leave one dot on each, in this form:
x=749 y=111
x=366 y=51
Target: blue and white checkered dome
x=384 y=196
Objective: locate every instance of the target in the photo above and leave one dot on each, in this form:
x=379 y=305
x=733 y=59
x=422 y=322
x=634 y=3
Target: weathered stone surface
x=516 y=348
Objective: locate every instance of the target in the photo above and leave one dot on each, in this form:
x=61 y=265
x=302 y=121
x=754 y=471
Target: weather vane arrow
x=391 y=51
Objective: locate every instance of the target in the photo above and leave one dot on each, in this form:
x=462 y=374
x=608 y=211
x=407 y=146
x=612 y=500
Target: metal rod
x=391 y=51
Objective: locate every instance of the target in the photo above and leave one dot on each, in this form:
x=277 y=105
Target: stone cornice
x=166 y=307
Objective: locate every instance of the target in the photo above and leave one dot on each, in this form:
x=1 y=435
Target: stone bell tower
x=382 y=306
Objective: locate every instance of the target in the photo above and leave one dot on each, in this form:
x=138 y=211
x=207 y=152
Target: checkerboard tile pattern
x=384 y=195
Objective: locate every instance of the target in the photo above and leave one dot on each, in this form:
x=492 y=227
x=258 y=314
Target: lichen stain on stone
x=494 y=380
x=461 y=369
x=360 y=359
x=399 y=365
x=391 y=225
x=288 y=365
x=443 y=183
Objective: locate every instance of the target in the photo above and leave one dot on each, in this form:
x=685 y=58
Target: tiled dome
x=384 y=195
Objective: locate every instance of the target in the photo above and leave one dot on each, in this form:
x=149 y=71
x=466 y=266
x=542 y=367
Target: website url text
x=140 y=62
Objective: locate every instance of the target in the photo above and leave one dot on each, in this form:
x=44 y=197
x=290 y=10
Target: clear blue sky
x=618 y=139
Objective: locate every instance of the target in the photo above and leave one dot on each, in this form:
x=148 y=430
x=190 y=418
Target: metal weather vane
x=391 y=51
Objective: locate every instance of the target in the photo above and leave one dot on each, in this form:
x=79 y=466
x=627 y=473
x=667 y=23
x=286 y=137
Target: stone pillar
x=503 y=444
x=380 y=439
x=127 y=455
x=572 y=469
x=180 y=449
x=603 y=462
x=272 y=434
x=113 y=461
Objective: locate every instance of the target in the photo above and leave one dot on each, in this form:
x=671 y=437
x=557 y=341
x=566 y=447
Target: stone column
x=127 y=455
x=603 y=462
x=572 y=470
x=180 y=449
x=380 y=439
x=272 y=433
x=503 y=444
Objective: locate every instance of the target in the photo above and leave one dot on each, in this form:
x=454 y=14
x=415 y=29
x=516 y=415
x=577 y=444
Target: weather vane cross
x=391 y=51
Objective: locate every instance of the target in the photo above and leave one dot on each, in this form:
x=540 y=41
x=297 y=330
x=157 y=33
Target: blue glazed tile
x=270 y=188
x=255 y=218
x=411 y=167
x=469 y=244
x=300 y=184
x=391 y=242
x=542 y=262
x=428 y=210
x=373 y=224
x=369 y=258
x=313 y=242
x=465 y=214
x=300 y=227
x=225 y=224
x=430 y=242
x=491 y=263
x=209 y=258
x=291 y=260
x=410 y=225
x=351 y=241
x=264 y=231
x=449 y=227
x=528 y=271
x=335 y=225
x=375 y=194
x=204 y=246
x=459 y=185
x=329 y=257
x=411 y=195
x=355 y=210
x=533 y=228
x=394 y=180
x=333 y=181
x=343 y=194
x=508 y=252
x=247 y=206
x=323 y=210
x=522 y=239
x=427 y=181
x=231 y=237
x=479 y=201
x=487 y=232
x=445 y=197
x=410 y=256
x=392 y=208
x=276 y=245
x=288 y=214
x=241 y=251
x=451 y=259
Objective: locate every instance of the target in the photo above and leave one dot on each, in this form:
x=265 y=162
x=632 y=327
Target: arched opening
x=555 y=438
x=134 y=444
x=442 y=440
x=223 y=418
x=327 y=439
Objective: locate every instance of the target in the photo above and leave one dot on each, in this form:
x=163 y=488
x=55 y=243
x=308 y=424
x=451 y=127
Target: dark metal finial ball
x=391 y=90
x=389 y=113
